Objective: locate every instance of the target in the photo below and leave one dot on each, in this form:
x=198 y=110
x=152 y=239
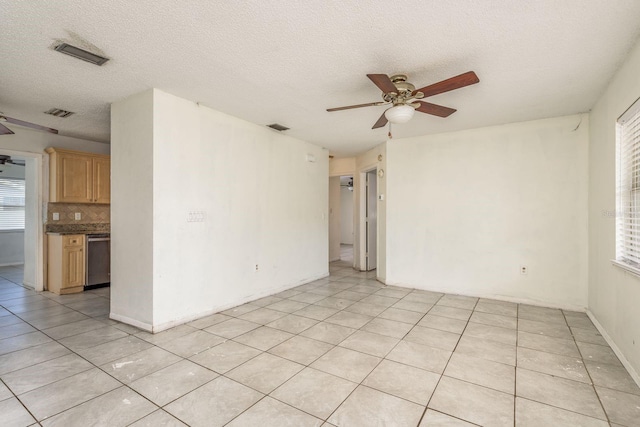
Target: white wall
x=467 y=209
x=346 y=216
x=132 y=214
x=342 y=166
x=33 y=218
x=9 y=170
x=264 y=204
x=614 y=295
x=335 y=215
x=11 y=242
x=11 y=247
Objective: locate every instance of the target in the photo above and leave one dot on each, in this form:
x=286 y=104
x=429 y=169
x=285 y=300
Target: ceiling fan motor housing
x=404 y=91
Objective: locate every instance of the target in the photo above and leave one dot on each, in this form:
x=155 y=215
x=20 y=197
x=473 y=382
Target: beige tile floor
x=342 y=351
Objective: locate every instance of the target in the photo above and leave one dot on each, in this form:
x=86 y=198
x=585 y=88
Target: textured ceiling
x=287 y=61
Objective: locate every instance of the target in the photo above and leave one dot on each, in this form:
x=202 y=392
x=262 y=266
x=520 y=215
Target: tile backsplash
x=90 y=213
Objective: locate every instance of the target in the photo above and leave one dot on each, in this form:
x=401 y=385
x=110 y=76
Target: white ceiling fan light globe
x=399 y=113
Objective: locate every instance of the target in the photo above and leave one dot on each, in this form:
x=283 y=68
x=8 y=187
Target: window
x=11 y=204
x=628 y=187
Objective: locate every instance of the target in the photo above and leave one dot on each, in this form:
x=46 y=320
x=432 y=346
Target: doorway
x=341 y=219
x=21 y=256
x=371 y=219
x=346 y=218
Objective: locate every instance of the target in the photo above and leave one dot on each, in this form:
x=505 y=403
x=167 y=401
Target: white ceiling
x=287 y=61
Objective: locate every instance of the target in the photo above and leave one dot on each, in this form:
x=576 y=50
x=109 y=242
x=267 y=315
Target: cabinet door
x=73 y=267
x=74 y=181
x=101 y=180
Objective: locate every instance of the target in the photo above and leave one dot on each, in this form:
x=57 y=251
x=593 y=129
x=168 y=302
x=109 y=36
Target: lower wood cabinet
x=66 y=264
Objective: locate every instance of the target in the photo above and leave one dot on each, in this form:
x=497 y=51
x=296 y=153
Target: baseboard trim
x=517 y=300
x=11 y=264
x=133 y=322
x=182 y=320
x=614 y=347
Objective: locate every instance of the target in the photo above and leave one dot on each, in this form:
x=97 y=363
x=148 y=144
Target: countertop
x=53 y=228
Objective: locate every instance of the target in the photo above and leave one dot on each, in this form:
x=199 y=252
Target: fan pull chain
x=390 y=135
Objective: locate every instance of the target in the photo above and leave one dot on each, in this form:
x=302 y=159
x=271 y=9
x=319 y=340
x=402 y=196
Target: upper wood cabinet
x=77 y=177
x=102 y=179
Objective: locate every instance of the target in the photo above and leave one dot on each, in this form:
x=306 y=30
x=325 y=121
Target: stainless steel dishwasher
x=98 y=254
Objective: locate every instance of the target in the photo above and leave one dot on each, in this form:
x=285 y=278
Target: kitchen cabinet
x=77 y=177
x=66 y=263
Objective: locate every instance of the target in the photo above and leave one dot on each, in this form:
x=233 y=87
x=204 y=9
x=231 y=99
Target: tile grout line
x=88 y=361
x=334 y=346
x=19 y=401
x=426 y=408
x=593 y=386
x=344 y=309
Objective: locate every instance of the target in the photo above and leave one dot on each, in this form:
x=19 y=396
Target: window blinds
x=11 y=204
x=628 y=187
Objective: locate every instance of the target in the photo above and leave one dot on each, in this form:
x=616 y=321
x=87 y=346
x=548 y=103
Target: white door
x=372 y=219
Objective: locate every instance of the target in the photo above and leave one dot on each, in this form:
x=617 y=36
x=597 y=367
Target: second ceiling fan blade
x=5 y=130
x=434 y=109
x=348 y=107
x=29 y=124
x=382 y=121
x=383 y=82
x=453 y=83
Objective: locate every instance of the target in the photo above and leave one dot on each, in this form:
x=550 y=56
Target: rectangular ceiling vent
x=82 y=54
x=278 y=127
x=58 y=112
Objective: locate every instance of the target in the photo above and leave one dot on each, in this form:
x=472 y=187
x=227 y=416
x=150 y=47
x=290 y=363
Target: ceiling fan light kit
x=400 y=113
x=405 y=99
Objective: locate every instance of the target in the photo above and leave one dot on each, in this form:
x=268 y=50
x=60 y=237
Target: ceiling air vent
x=278 y=127
x=58 y=112
x=82 y=54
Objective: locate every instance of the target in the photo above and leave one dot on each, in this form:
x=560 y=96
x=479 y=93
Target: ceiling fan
x=6 y=131
x=405 y=99
x=4 y=159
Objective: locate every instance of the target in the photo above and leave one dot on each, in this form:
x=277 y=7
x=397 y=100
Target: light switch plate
x=56 y=216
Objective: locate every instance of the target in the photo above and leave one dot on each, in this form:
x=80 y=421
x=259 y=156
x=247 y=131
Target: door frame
x=363 y=218
x=37 y=243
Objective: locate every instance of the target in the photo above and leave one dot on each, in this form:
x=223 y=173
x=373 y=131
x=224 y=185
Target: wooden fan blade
x=435 y=110
x=5 y=130
x=382 y=121
x=456 y=82
x=348 y=107
x=29 y=125
x=383 y=82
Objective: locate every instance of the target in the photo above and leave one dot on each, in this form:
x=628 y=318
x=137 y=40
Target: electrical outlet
x=56 y=216
x=256 y=267
x=524 y=269
x=78 y=216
